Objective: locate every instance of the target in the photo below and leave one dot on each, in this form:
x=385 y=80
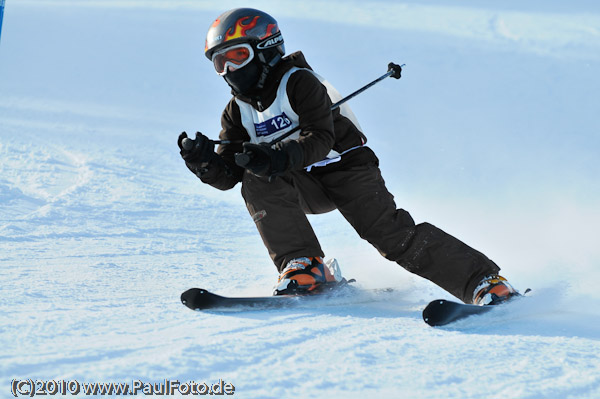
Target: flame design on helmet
x=271 y=30
x=240 y=28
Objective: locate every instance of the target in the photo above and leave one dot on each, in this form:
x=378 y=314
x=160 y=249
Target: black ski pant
x=279 y=209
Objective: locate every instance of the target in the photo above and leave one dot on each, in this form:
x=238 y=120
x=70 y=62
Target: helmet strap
x=266 y=67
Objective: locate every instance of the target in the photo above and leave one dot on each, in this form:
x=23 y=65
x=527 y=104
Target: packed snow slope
x=492 y=134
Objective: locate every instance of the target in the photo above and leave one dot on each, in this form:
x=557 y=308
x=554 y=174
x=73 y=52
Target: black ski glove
x=200 y=151
x=263 y=161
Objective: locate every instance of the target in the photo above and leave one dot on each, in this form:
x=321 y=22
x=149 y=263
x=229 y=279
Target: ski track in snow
x=102 y=226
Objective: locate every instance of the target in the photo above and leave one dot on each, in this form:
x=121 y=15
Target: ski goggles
x=235 y=57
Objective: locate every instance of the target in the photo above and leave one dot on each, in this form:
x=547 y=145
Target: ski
x=441 y=311
x=201 y=299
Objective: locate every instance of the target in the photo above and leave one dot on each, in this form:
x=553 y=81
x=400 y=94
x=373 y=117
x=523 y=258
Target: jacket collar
x=263 y=98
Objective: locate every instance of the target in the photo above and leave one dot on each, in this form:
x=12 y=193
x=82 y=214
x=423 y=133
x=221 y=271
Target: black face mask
x=245 y=79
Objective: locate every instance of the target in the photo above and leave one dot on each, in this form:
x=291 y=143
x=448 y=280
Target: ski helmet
x=259 y=44
x=244 y=25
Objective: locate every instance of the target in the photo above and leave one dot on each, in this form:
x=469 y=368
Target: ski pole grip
x=187 y=143
x=242 y=159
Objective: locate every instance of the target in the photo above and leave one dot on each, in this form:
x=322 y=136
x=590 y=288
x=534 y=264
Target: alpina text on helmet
x=272 y=41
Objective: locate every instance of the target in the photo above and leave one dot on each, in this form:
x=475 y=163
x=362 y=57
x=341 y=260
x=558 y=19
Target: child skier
x=324 y=166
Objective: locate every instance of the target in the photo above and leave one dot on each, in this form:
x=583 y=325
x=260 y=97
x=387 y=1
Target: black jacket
x=321 y=129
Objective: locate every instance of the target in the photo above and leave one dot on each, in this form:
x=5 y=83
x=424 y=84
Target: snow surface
x=492 y=134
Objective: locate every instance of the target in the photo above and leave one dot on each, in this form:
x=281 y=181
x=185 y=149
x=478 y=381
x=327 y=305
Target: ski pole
x=1 y=14
x=394 y=71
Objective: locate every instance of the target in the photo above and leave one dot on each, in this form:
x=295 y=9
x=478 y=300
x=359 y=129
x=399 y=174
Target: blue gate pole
x=1 y=14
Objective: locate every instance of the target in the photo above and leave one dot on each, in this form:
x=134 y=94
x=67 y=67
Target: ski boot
x=306 y=275
x=493 y=290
